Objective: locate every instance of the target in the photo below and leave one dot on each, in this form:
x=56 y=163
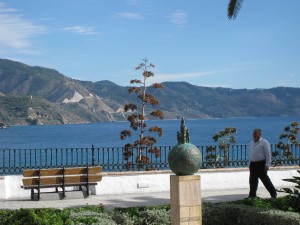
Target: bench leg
x=88 y=190
x=39 y=194
x=64 y=192
x=32 y=194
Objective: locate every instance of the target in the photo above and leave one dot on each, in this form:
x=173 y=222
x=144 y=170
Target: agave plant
x=296 y=190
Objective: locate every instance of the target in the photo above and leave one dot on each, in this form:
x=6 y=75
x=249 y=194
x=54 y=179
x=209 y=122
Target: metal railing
x=13 y=161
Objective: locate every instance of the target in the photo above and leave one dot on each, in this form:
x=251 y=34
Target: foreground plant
x=243 y=212
x=296 y=190
x=137 y=119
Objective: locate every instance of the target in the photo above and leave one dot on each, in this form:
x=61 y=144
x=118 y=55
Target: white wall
x=158 y=181
x=214 y=179
x=2 y=188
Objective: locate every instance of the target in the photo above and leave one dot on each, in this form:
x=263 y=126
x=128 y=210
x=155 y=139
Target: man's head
x=256 y=134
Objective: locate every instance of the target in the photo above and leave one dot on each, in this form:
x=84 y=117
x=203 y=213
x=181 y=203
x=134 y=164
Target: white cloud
x=130 y=16
x=16 y=32
x=178 y=17
x=4 y=9
x=81 y=30
x=183 y=76
x=213 y=85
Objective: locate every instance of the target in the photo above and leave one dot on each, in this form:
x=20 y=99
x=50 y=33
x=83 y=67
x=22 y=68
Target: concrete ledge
x=199 y=171
x=212 y=179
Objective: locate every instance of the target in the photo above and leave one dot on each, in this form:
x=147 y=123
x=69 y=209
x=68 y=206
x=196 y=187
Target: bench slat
x=59 y=171
x=57 y=185
x=59 y=180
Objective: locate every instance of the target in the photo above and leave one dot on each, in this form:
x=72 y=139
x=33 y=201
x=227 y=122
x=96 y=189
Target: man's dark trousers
x=257 y=170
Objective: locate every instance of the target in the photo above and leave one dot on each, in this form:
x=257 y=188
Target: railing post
x=93 y=155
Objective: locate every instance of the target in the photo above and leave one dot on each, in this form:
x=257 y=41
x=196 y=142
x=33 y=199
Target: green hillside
x=38 y=95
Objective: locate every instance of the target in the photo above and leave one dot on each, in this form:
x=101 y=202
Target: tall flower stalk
x=138 y=117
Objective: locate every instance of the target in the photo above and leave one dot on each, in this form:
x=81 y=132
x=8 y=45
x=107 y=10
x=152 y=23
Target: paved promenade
x=127 y=200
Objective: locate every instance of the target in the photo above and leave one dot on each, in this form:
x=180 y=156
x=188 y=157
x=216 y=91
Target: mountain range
x=38 y=95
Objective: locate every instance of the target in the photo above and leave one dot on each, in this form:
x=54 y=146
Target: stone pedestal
x=185 y=200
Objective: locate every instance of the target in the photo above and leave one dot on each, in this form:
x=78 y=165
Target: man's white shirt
x=260 y=150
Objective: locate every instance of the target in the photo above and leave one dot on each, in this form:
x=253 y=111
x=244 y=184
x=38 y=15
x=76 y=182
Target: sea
x=107 y=134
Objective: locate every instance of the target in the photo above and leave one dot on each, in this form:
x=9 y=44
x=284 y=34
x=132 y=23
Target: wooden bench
x=37 y=179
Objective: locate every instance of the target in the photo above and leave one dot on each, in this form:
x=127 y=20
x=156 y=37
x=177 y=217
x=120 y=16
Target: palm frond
x=234 y=7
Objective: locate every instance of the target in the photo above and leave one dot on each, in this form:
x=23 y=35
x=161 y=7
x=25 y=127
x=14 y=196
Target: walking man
x=260 y=161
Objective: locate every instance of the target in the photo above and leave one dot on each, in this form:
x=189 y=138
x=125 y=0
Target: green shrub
x=154 y=217
x=278 y=217
x=244 y=212
x=228 y=214
x=33 y=217
x=287 y=203
x=4 y=214
x=131 y=211
x=123 y=218
x=99 y=209
x=217 y=215
x=87 y=217
x=256 y=202
x=135 y=211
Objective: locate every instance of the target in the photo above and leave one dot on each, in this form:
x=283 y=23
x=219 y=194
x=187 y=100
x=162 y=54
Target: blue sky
x=189 y=41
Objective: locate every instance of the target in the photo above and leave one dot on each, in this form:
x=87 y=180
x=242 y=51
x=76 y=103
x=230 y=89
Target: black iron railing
x=13 y=161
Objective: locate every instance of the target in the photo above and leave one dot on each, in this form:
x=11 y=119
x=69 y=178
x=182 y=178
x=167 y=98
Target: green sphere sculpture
x=184 y=158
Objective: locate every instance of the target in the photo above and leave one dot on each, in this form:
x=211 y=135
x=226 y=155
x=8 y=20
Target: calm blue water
x=107 y=134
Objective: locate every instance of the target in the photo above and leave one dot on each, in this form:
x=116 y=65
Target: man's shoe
x=274 y=195
x=250 y=197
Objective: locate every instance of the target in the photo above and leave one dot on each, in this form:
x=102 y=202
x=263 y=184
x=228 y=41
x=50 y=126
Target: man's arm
x=268 y=155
